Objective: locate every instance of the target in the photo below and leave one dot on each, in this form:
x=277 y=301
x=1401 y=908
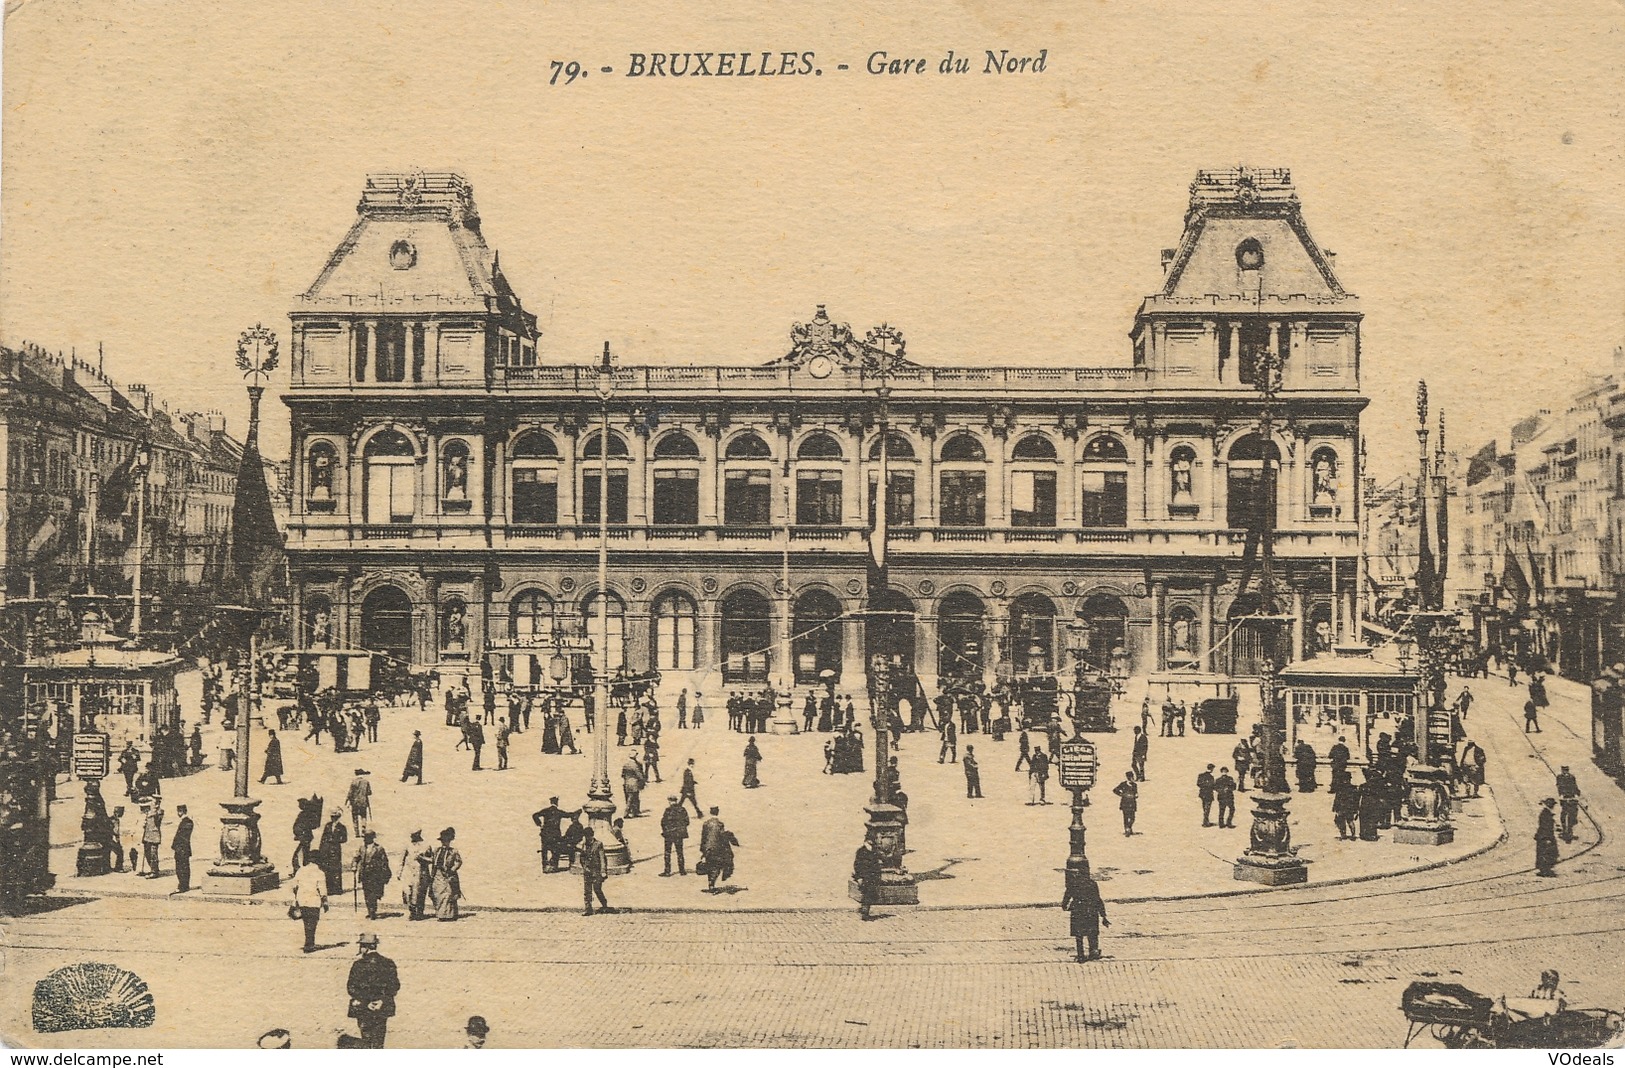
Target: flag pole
x=140 y=547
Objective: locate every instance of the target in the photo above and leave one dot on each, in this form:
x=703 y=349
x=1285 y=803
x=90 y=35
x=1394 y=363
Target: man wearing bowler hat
x=372 y=987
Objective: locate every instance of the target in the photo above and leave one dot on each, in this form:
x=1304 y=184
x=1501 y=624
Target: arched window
x=1248 y=503
x=617 y=631
x=1182 y=481
x=386 y=622
x=530 y=618
x=816 y=636
x=318 y=622
x=535 y=474
x=391 y=476
x=747 y=482
x=1324 y=483
x=960 y=630
x=963 y=482
x=1105 y=482
x=1033 y=447
x=747 y=636
x=590 y=493
x=454 y=476
x=963 y=448
x=617 y=447
x=748 y=447
x=677 y=485
x=900 y=467
x=676 y=446
x=674 y=619
x=819 y=484
x=320 y=464
x=1032 y=482
x=819 y=446
x=897 y=447
x=1032 y=634
x=454 y=626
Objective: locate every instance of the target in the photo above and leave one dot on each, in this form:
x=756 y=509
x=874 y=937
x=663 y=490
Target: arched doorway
x=592 y=627
x=1246 y=636
x=889 y=632
x=960 y=630
x=1107 y=619
x=674 y=624
x=386 y=622
x=747 y=636
x=816 y=642
x=1032 y=634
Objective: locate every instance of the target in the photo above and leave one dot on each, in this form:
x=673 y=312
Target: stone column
x=498 y=485
x=431 y=351
x=855 y=486
x=1157 y=476
x=635 y=636
x=1206 y=643
x=637 y=482
x=1066 y=490
x=1229 y=375
x=568 y=515
x=852 y=663
x=998 y=511
x=710 y=473
x=372 y=348
x=1218 y=476
x=925 y=494
x=1159 y=629
x=1297 y=624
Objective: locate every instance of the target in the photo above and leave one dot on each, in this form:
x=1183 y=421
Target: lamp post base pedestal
x=885 y=832
x=896 y=888
x=241 y=868
x=1271 y=871
x=617 y=858
x=784 y=712
x=1427 y=808
x=1423 y=835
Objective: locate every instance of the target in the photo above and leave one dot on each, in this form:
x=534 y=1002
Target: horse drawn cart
x=1460 y=1018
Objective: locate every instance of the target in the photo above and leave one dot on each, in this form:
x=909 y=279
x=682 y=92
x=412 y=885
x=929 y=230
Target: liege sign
x=91 y=755
x=1078 y=764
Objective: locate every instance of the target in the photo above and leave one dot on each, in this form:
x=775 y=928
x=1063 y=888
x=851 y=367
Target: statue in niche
x=455 y=631
x=321 y=475
x=1181 y=474
x=457 y=476
x=1325 y=479
x=1184 y=633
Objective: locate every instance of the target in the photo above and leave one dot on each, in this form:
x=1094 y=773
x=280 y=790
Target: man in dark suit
x=1142 y=749
x=373 y=985
x=182 y=846
x=1224 y=788
x=1204 y=793
x=1082 y=899
x=866 y=873
x=674 y=829
x=550 y=821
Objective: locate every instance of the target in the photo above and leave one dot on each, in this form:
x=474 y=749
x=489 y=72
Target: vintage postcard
x=743 y=525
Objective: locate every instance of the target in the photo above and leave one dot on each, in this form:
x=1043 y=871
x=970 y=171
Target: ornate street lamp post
x=1270 y=857
x=600 y=806
x=1078 y=764
x=1426 y=820
x=241 y=867
x=884 y=826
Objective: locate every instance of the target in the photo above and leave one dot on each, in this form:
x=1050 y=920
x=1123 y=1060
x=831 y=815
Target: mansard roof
x=1230 y=207
x=416 y=245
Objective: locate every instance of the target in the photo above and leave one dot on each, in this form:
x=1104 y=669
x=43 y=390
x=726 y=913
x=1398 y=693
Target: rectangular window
x=391 y=352
x=390 y=491
x=589 y=497
x=1105 y=499
x=818 y=498
x=536 y=496
x=899 y=499
x=964 y=498
x=1032 y=498
x=677 y=498
x=747 y=498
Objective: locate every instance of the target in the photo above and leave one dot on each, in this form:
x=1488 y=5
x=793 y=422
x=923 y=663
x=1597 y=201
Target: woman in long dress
x=445 y=887
x=416 y=862
x=753 y=757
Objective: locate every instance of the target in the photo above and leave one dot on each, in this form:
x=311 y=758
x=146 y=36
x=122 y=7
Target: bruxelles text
x=719 y=64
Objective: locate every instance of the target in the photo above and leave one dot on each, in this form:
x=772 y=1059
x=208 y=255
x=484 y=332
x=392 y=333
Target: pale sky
x=175 y=172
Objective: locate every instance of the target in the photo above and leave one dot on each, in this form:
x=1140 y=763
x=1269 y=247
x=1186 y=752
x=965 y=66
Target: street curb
x=70 y=894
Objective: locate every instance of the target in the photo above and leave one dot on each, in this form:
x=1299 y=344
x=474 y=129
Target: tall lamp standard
x=1426 y=818
x=1270 y=857
x=600 y=806
x=241 y=867
x=884 y=828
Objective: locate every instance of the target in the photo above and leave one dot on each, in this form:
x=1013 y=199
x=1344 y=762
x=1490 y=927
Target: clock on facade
x=821 y=367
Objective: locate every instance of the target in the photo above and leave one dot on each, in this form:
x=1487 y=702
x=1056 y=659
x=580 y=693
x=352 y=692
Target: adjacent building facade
x=71 y=440
x=1541 y=516
x=445 y=477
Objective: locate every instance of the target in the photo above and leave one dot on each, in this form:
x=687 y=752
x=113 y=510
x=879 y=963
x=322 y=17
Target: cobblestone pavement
x=1320 y=965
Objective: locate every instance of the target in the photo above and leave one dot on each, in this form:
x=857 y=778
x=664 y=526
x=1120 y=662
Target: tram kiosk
x=126 y=693
x=1351 y=695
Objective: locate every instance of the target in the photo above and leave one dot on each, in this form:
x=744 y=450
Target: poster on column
x=1198 y=345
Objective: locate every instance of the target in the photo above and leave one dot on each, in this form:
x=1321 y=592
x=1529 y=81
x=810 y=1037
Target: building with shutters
x=445 y=468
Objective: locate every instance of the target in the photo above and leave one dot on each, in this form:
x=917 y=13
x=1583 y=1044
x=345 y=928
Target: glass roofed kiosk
x=1351 y=695
x=127 y=693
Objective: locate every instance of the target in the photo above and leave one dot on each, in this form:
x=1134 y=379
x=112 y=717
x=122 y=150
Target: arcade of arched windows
x=962 y=478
